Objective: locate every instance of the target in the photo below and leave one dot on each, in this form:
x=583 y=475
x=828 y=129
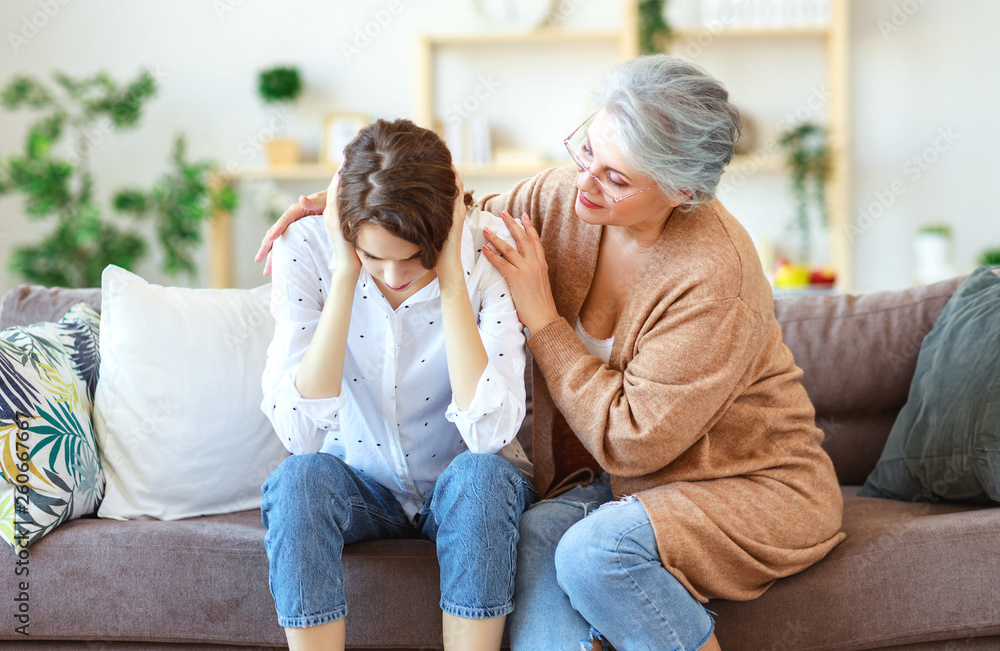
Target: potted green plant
x=280 y=85
x=932 y=249
x=808 y=161
x=990 y=257
x=54 y=176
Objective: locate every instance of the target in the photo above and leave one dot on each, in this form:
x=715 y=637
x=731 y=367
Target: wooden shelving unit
x=428 y=45
x=835 y=40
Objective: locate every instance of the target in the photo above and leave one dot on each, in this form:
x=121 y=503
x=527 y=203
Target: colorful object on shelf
x=789 y=275
x=825 y=276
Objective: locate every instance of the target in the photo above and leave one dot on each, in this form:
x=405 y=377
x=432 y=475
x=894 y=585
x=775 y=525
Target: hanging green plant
x=808 y=160
x=654 y=30
x=55 y=179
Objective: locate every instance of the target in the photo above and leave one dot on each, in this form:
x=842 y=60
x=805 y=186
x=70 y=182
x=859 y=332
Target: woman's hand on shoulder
x=526 y=271
x=346 y=260
x=314 y=204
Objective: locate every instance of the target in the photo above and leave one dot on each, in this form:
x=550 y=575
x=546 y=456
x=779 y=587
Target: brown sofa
x=908 y=576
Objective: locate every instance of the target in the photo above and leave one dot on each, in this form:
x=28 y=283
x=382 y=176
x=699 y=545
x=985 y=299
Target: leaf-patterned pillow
x=48 y=456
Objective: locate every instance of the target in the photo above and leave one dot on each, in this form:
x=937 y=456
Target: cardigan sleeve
x=687 y=369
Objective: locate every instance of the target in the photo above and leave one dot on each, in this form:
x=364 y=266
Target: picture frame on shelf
x=338 y=130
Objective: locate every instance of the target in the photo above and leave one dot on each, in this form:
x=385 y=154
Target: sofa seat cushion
x=906 y=572
x=205 y=580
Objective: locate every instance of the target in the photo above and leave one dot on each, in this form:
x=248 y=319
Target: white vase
x=933 y=258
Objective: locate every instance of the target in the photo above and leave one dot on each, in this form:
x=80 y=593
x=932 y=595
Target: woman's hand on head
x=314 y=204
x=451 y=254
x=346 y=256
x=526 y=271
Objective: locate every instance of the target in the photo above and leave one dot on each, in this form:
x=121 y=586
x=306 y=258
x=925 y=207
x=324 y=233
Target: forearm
x=467 y=357
x=322 y=368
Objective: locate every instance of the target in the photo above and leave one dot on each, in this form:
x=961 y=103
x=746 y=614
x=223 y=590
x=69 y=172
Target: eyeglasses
x=579 y=150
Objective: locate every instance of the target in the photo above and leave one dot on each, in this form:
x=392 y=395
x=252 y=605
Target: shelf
x=804 y=290
x=751 y=32
x=306 y=171
x=310 y=171
x=522 y=170
x=541 y=36
x=756 y=163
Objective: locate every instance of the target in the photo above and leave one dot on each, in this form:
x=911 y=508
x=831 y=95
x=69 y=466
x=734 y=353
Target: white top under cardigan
x=597 y=347
x=395 y=419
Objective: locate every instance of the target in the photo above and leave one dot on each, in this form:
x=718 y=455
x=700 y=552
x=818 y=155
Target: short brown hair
x=399 y=176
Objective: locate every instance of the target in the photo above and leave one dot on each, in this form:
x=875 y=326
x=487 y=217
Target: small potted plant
x=932 y=248
x=990 y=257
x=280 y=85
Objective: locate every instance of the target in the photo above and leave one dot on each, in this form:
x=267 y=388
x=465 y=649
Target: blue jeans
x=314 y=504
x=589 y=567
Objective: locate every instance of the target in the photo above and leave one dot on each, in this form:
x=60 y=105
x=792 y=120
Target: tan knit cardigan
x=699 y=413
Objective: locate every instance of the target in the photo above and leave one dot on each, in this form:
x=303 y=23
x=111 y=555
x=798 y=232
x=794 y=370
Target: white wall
x=938 y=71
x=207 y=54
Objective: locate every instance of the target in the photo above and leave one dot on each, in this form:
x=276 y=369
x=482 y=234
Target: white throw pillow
x=177 y=411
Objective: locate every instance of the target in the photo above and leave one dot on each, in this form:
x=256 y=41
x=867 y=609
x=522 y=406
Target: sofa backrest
x=858 y=354
x=27 y=304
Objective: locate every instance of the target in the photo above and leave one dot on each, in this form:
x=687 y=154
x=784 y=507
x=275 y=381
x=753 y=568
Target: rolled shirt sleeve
x=498 y=405
x=300 y=423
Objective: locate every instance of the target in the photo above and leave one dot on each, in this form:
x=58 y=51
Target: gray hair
x=675 y=123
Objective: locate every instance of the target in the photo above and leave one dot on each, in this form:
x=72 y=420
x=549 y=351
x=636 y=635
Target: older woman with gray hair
x=674 y=446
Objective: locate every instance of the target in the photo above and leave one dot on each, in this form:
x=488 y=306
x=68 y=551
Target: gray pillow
x=945 y=443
